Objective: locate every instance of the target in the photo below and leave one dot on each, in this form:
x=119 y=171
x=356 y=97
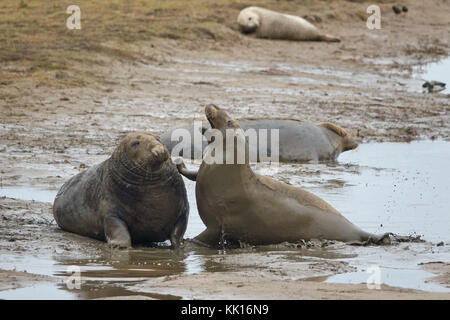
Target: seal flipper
x=329 y=38
x=209 y=238
x=384 y=239
x=190 y=174
x=116 y=232
x=180 y=228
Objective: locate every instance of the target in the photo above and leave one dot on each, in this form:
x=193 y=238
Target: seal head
x=143 y=151
x=219 y=119
x=348 y=142
x=248 y=21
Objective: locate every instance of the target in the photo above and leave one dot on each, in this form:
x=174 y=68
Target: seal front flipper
x=180 y=228
x=190 y=174
x=208 y=238
x=116 y=232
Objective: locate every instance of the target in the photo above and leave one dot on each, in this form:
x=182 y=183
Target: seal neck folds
x=124 y=172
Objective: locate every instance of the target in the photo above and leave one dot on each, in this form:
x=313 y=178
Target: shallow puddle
x=28 y=194
x=45 y=291
x=404 y=278
x=436 y=71
x=385 y=187
x=107 y=275
x=402 y=186
x=52 y=291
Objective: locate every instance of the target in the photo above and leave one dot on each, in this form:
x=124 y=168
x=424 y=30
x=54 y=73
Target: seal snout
x=211 y=111
x=349 y=143
x=159 y=153
x=144 y=149
x=248 y=20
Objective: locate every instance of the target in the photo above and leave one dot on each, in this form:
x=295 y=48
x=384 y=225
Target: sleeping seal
x=269 y=24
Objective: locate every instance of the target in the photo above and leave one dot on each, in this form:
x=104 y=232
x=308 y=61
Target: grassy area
x=33 y=34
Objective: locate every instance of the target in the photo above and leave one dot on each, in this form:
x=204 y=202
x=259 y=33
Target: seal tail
x=369 y=238
x=380 y=239
x=329 y=38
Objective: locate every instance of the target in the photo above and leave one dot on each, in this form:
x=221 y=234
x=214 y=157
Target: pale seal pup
x=238 y=205
x=274 y=25
x=298 y=141
x=136 y=196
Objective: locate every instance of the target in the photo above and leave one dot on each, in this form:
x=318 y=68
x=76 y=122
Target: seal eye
x=249 y=18
x=230 y=123
x=135 y=144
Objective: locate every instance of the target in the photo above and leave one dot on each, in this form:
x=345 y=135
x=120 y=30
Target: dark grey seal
x=136 y=196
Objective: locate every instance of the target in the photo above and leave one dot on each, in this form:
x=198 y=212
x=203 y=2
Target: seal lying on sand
x=239 y=205
x=298 y=141
x=274 y=25
x=136 y=196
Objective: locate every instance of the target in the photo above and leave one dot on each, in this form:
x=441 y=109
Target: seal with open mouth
x=238 y=205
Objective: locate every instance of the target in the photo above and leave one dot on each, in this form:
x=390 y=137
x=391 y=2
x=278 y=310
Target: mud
x=378 y=193
x=370 y=84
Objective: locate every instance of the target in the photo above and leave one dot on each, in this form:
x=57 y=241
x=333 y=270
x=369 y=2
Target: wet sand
x=369 y=84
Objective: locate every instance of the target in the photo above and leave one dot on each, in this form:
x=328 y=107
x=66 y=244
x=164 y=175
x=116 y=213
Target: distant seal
x=136 y=196
x=298 y=141
x=238 y=205
x=269 y=24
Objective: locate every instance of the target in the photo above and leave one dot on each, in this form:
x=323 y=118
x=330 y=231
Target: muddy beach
x=54 y=126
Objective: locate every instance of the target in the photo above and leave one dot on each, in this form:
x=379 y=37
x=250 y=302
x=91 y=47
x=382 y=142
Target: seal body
x=239 y=205
x=298 y=141
x=186 y=136
x=136 y=196
x=270 y=24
